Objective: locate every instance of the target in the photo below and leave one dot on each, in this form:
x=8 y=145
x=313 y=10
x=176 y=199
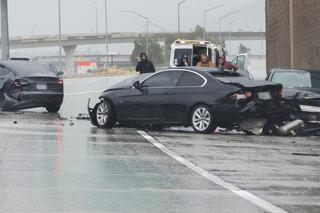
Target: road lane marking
x=81 y=93
x=263 y=204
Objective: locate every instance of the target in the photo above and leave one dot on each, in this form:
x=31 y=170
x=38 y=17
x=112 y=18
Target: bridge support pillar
x=69 y=52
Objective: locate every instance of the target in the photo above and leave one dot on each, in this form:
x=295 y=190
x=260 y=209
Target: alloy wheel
x=102 y=114
x=201 y=119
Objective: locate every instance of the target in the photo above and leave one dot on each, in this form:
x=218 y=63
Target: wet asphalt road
x=49 y=164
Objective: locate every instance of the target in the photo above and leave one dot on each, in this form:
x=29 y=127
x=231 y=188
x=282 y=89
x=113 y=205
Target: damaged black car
x=302 y=92
x=204 y=98
x=25 y=85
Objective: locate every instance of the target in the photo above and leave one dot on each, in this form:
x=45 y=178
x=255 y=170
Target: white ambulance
x=192 y=49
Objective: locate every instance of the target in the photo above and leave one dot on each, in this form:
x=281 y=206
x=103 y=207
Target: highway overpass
x=71 y=41
x=99 y=38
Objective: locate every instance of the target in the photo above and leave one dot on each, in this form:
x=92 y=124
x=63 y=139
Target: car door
x=151 y=103
x=188 y=91
x=241 y=61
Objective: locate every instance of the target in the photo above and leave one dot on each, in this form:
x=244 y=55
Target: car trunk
x=261 y=90
x=44 y=84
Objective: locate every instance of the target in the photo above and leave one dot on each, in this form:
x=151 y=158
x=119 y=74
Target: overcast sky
x=29 y=17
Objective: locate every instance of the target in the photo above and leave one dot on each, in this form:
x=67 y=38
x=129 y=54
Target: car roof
x=288 y=70
x=203 y=70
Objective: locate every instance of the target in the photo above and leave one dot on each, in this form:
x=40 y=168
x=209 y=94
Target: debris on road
x=83 y=116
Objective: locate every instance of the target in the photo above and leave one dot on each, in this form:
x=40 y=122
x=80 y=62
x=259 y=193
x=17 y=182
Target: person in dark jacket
x=144 y=65
x=225 y=65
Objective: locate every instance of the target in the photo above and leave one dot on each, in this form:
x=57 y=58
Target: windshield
x=297 y=79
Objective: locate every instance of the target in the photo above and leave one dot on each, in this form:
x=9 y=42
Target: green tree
x=155 y=52
x=243 y=49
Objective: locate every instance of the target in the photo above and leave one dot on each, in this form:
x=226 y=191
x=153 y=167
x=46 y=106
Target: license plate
x=42 y=87
x=264 y=95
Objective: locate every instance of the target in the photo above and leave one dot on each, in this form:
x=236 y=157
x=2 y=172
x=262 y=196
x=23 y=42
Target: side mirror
x=137 y=85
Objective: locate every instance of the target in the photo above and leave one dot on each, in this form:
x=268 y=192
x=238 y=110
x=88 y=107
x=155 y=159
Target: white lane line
x=81 y=93
x=263 y=204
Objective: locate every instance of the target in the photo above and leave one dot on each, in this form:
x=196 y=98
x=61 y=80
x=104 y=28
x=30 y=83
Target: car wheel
x=104 y=115
x=202 y=120
x=53 y=108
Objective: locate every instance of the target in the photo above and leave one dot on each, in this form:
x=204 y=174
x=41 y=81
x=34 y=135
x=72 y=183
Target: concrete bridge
x=71 y=41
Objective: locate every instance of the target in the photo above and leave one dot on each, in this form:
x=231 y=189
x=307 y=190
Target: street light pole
x=157 y=26
x=106 y=20
x=60 y=43
x=96 y=14
x=179 y=5
x=147 y=37
x=147 y=20
x=205 y=19
x=5 y=49
x=230 y=29
x=223 y=17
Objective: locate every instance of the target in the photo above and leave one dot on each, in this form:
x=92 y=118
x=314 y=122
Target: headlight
x=313 y=109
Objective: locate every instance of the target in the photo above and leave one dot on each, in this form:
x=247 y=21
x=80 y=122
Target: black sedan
x=203 y=98
x=302 y=90
x=29 y=85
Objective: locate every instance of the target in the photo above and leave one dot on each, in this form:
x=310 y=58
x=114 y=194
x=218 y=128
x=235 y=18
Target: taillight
x=238 y=96
x=279 y=92
x=60 y=81
x=20 y=82
x=248 y=94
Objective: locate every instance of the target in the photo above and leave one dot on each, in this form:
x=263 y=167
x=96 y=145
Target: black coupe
x=203 y=98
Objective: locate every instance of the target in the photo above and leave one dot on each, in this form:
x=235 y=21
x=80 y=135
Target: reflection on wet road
x=48 y=165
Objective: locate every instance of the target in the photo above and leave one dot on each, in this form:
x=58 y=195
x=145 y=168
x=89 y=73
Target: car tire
x=53 y=108
x=104 y=115
x=202 y=119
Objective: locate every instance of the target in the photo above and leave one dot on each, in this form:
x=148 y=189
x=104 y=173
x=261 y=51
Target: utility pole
x=106 y=20
x=96 y=14
x=5 y=49
x=205 y=19
x=179 y=5
x=60 y=43
x=147 y=20
x=223 y=17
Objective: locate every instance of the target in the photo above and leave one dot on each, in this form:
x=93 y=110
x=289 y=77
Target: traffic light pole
x=5 y=50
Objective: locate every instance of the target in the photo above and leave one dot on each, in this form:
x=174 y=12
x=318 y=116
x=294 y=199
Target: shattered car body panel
x=26 y=85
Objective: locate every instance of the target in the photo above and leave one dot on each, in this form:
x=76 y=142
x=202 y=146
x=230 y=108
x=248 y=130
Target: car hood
x=127 y=83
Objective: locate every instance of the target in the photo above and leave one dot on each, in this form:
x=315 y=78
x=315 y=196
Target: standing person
x=225 y=65
x=204 y=61
x=144 y=65
x=184 y=62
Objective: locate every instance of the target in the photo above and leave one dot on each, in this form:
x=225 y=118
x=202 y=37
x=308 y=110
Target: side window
x=163 y=79
x=190 y=79
x=180 y=53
